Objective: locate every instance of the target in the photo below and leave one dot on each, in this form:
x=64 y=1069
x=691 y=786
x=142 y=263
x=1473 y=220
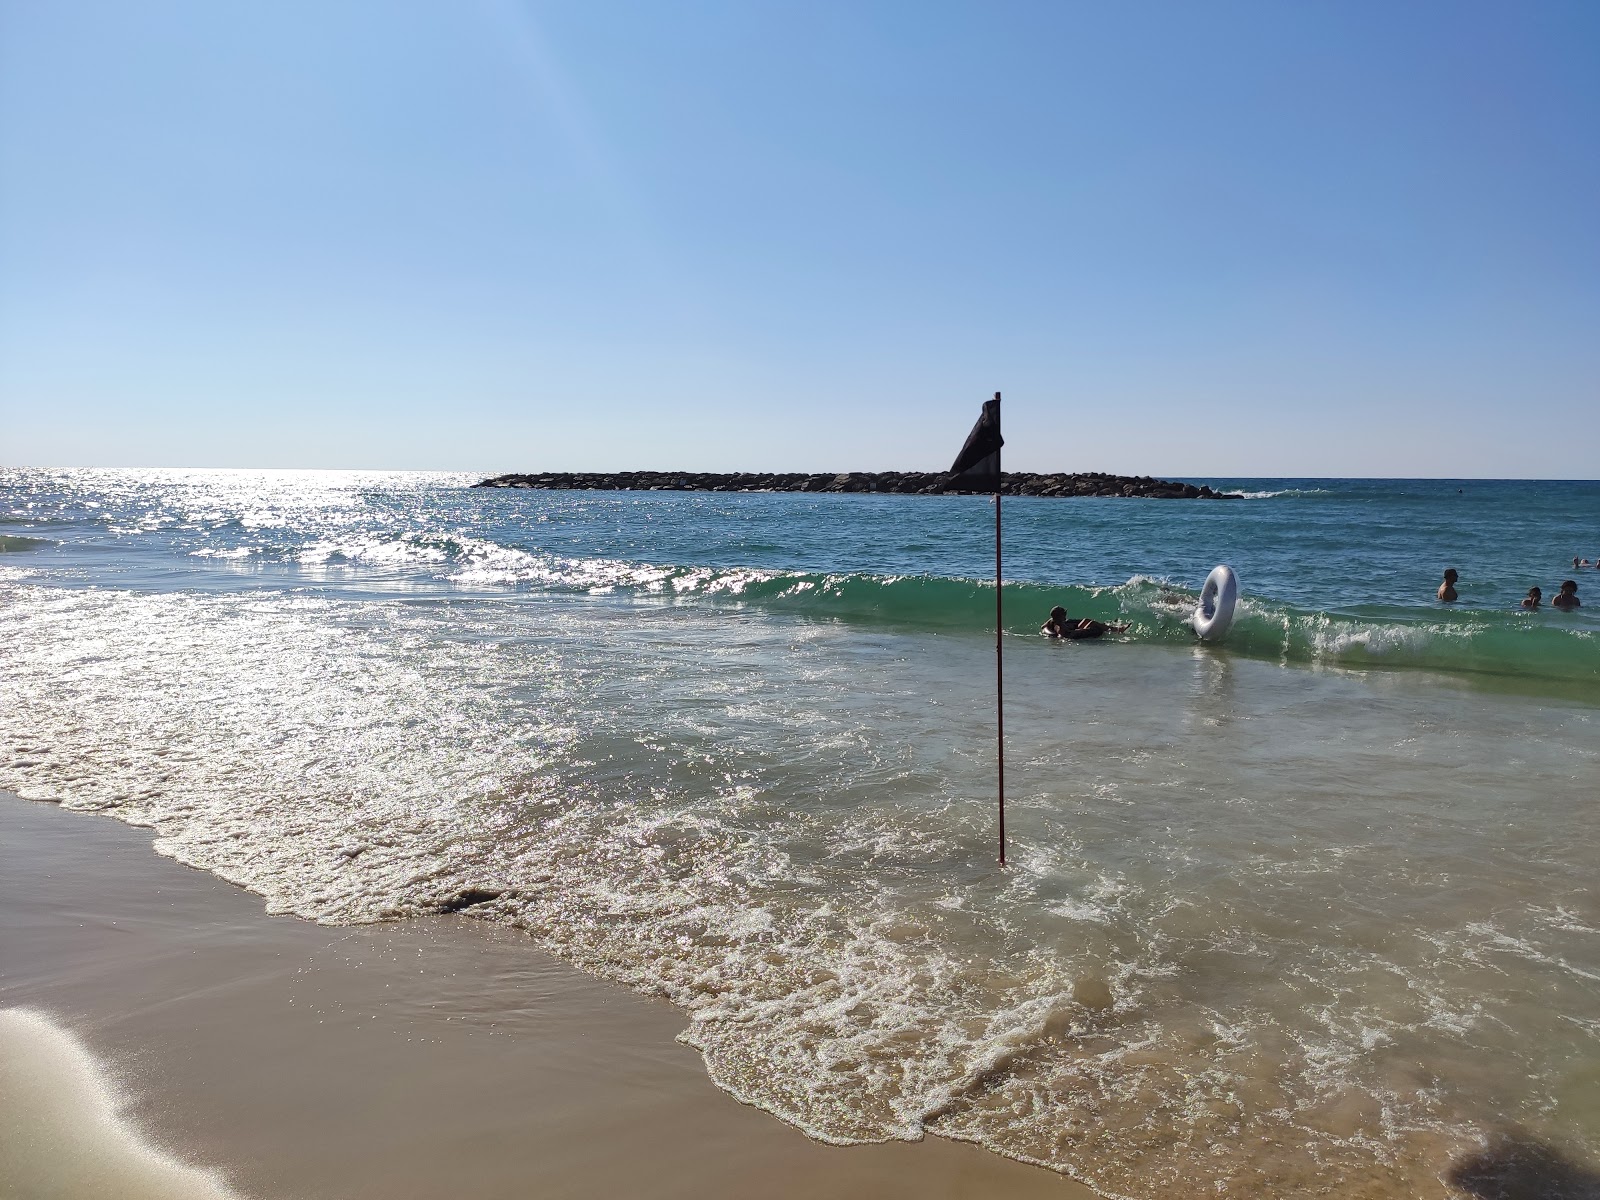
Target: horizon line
x=1175 y=477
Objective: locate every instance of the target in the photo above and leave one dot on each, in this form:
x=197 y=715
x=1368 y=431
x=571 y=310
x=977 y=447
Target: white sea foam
x=1272 y=495
x=1078 y=910
x=225 y=552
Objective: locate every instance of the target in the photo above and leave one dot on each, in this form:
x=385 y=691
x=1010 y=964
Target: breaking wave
x=1538 y=646
x=21 y=545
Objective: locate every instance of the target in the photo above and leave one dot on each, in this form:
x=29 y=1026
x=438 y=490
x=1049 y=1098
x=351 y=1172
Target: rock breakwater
x=1013 y=483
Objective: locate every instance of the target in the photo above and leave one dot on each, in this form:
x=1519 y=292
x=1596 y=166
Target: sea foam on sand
x=65 y=1133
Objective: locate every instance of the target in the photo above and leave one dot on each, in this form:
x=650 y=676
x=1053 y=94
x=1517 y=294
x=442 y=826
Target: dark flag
x=977 y=467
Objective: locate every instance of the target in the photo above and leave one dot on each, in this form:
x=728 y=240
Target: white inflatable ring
x=1218 y=599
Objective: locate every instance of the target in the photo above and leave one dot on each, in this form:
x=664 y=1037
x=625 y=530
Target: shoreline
x=421 y=1058
x=905 y=483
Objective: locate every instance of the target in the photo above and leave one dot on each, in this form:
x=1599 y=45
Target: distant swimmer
x=1062 y=626
x=1567 y=598
x=1447 y=589
x=1533 y=598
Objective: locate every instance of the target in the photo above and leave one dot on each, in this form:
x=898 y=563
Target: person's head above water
x=1450 y=575
x=1057 y=613
x=1536 y=593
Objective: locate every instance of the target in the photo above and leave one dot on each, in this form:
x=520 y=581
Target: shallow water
x=1271 y=923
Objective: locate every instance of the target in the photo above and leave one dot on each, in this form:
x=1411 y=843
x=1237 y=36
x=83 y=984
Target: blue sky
x=1194 y=239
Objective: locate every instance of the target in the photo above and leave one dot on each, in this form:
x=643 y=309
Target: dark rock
x=926 y=483
x=467 y=898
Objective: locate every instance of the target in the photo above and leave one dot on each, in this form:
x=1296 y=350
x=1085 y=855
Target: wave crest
x=1544 y=646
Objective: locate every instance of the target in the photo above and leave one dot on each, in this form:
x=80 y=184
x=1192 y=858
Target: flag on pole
x=977 y=467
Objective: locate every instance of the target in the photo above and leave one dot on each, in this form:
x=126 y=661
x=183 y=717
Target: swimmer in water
x=1447 y=589
x=1062 y=626
x=1567 y=598
x=1533 y=598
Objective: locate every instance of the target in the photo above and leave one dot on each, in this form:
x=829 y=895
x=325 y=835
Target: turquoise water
x=1308 y=912
x=1333 y=571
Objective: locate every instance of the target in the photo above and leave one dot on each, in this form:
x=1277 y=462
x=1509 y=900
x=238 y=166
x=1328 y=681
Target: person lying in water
x=1062 y=626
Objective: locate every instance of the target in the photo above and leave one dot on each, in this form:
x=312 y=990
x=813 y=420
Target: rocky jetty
x=1013 y=483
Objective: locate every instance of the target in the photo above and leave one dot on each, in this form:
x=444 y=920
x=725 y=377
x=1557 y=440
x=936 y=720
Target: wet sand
x=429 y=1058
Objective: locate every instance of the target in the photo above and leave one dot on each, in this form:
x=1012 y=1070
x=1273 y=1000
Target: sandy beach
x=424 y=1058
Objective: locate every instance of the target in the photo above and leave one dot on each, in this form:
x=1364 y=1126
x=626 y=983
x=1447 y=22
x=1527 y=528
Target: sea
x=1309 y=911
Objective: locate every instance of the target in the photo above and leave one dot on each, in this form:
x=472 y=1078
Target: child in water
x=1062 y=626
x=1567 y=598
x=1533 y=598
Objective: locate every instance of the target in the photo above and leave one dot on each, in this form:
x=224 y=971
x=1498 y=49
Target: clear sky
x=1318 y=237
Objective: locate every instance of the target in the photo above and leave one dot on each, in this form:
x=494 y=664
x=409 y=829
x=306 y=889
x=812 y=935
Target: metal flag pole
x=999 y=658
x=979 y=459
